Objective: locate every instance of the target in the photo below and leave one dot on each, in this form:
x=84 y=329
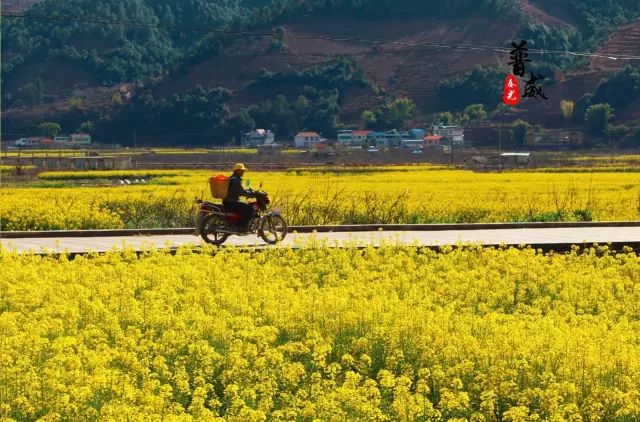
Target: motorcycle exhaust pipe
x=225 y=232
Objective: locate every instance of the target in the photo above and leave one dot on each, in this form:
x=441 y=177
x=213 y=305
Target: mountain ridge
x=312 y=39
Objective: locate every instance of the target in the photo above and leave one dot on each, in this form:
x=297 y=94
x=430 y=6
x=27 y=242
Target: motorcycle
x=215 y=225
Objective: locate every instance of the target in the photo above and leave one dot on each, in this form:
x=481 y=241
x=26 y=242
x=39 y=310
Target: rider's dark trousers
x=245 y=210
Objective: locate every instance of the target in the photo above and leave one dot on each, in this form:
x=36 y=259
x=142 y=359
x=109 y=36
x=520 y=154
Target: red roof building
x=432 y=140
x=361 y=132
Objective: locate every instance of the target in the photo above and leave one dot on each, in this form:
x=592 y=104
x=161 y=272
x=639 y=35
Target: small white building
x=307 y=140
x=345 y=137
x=80 y=139
x=412 y=143
x=28 y=142
x=258 y=137
x=360 y=136
x=455 y=134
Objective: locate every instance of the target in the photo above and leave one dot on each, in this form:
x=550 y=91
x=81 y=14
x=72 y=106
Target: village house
x=345 y=137
x=258 y=137
x=360 y=136
x=353 y=137
x=554 y=138
x=378 y=139
x=455 y=134
x=432 y=140
x=307 y=140
x=394 y=137
x=412 y=143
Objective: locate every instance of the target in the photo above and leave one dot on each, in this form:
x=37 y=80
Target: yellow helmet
x=239 y=166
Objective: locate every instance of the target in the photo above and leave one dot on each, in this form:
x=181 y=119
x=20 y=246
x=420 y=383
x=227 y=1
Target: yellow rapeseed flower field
x=321 y=334
x=411 y=194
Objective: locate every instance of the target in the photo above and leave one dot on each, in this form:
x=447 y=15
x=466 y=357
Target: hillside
x=625 y=41
x=396 y=69
x=288 y=78
x=16 y=5
x=586 y=80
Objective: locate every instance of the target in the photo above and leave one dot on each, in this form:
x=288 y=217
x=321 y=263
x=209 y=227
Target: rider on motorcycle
x=232 y=202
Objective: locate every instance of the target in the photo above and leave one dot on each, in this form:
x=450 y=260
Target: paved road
x=538 y=237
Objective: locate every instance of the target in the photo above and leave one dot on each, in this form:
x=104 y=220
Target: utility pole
x=499 y=140
x=451 y=149
x=135 y=140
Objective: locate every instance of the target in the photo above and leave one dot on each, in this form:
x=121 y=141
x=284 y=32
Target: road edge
x=321 y=229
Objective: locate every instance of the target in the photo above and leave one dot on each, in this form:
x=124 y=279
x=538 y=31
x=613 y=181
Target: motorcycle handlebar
x=255 y=192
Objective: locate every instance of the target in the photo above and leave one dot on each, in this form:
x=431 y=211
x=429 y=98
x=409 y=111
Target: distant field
x=5 y=169
x=392 y=194
x=133 y=151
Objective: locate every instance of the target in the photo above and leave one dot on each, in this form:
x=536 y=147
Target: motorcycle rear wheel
x=208 y=230
x=273 y=229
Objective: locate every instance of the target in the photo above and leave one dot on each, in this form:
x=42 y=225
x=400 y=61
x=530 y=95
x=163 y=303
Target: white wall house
x=360 y=136
x=412 y=143
x=454 y=133
x=307 y=139
x=80 y=139
x=27 y=142
x=345 y=137
x=258 y=137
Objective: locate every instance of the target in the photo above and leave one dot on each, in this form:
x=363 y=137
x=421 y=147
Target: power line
x=463 y=46
x=377 y=41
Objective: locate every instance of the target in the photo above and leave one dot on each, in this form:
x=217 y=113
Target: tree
x=398 y=111
x=168 y=18
x=500 y=109
x=620 y=89
x=241 y=121
x=301 y=105
x=75 y=103
x=31 y=93
x=480 y=86
x=445 y=118
x=476 y=112
x=633 y=140
x=462 y=119
x=616 y=133
x=567 y=107
x=598 y=116
x=116 y=98
x=519 y=131
x=86 y=127
x=50 y=129
x=369 y=117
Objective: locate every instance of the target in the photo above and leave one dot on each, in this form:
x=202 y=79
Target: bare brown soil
x=625 y=41
x=15 y=6
x=392 y=64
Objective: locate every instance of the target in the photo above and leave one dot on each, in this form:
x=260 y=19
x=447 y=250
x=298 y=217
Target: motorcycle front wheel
x=273 y=229
x=208 y=230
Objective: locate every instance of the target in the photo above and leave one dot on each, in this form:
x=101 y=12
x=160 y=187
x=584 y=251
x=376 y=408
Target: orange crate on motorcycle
x=219 y=186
